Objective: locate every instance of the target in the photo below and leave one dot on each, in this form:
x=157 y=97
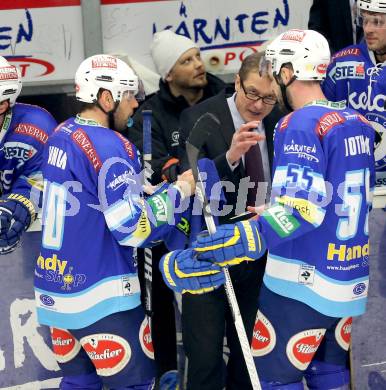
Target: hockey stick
x=147 y=156
x=199 y=133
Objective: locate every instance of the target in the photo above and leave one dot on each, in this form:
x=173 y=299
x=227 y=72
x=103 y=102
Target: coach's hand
x=243 y=139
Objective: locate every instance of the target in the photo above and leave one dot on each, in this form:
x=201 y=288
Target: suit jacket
x=333 y=19
x=219 y=141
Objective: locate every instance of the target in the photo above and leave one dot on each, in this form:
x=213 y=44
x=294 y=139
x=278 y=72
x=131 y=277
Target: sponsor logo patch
x=307 y=210
x=109 y=353
x=264 y=336
x=343 y=332
x=58 y=271
x=158 y=204
x=359 y=289
x=8 y=73
x=349 y=69
x=344 y=252
x=175 y=138
x=46 y=300
x=327 y=122
x=321 y=68
x=32 y=131
x=64 y=345
x=347 y=52
x=145 y=339
x=81 y=139
x=302 y=151
x=123 y=179
x=285 y=122
x=281 y=221
x=306 y=274
x=104 y=62
x=302 y=346
x=127 y=145
x=294 y=35
x=19 y=151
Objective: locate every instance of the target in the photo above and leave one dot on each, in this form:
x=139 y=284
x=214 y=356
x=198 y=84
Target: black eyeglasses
x=270 y=100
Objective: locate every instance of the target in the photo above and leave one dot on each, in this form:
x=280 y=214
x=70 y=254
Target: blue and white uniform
x=93 y=216
x=23 y=135
x=317 y=227
x=316 y=231
x=86 y=284
x=355 y=76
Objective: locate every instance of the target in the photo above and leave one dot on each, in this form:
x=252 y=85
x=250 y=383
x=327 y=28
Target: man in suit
x=183 y=83
x=335 y=19
x=247 y=120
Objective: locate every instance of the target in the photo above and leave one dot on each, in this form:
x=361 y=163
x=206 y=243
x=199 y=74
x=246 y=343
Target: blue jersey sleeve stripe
x=119 y=213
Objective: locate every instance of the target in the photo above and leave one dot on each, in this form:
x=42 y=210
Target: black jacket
x=219 y=141
x=166 y=110
x=332 y=18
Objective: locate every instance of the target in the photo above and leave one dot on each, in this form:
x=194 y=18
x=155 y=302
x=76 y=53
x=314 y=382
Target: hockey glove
x=231 y=244
x=16 y=215
x=170 y=170
x=184 y=274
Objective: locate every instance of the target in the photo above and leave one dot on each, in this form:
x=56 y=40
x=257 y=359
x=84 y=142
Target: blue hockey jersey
x=317 y=225
x=24 y=133
x=354 y=76
x=93 y=215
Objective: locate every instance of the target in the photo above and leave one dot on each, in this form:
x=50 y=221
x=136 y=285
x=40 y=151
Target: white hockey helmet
x=372 y=5
x=10 y=81
x=306 y=50
x=107 y=72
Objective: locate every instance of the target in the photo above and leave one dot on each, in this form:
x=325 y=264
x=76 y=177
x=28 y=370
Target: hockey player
x=357 y=75
x=24 y=130
x=94 y=213
x=316 y=228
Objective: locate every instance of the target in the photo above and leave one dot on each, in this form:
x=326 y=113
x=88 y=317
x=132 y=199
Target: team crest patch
x=302 y=346
x=64 y=345
x=109 y=353
x=145 y=339
x=264 y=336
x=343 y=332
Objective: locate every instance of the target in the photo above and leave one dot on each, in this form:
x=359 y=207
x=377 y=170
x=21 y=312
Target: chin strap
x=283 y=89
